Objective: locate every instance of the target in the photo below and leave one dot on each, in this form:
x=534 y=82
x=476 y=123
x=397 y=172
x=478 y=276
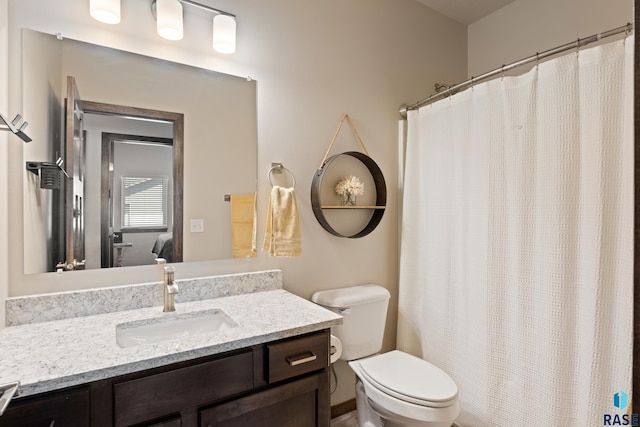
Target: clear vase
x=348 y=199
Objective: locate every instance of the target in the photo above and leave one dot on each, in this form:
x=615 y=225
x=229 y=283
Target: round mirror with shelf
x=326 y=204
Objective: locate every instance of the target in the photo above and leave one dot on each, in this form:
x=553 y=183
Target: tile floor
x=349 y=419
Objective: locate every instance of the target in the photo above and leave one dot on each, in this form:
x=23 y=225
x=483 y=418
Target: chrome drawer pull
x=295 y=362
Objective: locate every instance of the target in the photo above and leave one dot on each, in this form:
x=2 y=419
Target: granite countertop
x=52 y=355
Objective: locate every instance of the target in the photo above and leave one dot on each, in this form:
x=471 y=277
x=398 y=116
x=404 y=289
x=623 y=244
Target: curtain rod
x=498 y=71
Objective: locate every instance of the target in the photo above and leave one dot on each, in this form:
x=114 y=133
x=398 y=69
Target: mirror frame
x=177 y=120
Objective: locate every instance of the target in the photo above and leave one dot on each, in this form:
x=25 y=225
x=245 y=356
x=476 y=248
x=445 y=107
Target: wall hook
x=5 y=124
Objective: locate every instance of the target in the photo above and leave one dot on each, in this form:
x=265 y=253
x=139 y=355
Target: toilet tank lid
x=350 y=296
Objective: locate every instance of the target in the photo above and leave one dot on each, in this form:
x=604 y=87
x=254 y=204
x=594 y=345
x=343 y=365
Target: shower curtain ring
x=502 y=72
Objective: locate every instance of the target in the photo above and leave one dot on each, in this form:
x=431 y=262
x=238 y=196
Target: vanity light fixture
x=107 y=11
x=169 y=17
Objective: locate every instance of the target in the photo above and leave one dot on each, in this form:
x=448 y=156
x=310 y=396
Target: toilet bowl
x=404 y=390
x=393 y=389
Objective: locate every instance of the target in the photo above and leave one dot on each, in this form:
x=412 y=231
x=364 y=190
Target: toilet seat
x=409 y=379
x=391 y=406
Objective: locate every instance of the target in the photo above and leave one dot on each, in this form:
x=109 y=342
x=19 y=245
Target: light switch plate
x=197 y=225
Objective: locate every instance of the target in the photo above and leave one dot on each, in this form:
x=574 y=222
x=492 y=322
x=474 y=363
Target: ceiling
x=465 y=11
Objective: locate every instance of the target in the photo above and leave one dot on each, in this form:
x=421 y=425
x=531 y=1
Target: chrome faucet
x=170 y=289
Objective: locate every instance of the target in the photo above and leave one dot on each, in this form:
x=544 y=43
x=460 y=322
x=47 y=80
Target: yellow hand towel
x=243 y=225
x=282 y=236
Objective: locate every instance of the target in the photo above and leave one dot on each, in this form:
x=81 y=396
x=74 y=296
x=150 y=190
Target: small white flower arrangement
x=349 y=187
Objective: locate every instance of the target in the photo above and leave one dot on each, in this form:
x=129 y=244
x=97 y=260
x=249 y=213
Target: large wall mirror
x=155 y=151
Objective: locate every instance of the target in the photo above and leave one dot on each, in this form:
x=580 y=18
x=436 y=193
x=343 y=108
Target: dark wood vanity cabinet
x=298 y=400
x=69 y=408
x=181 y=389
x=282 y=383
x=304 y=402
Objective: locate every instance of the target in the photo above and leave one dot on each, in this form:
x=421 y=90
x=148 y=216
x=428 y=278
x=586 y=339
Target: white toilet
x=393 y=389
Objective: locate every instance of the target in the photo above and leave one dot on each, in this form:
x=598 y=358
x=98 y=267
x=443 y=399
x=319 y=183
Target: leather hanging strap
x=335 y=136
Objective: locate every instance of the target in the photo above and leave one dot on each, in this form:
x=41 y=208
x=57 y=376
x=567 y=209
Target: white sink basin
x=172 y=327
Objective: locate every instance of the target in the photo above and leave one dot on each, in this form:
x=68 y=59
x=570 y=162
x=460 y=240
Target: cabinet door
x=304 y=402
x=153 y=397
x=68 y=408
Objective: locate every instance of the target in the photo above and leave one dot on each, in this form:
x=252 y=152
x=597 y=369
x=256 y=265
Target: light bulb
x=107 y=11
x=169 y=16
x=224 y=33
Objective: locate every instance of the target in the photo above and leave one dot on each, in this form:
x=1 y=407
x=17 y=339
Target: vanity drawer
x=68 y=408
x=287 y=359
x=160 y=395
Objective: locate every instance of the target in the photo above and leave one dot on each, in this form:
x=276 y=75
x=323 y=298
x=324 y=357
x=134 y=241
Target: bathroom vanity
x=267 y=367
x=263 y=385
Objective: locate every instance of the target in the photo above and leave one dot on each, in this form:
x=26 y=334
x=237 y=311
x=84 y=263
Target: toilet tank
x=364 y=312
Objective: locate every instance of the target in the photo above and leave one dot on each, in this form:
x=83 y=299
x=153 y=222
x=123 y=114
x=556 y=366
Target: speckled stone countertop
x=52 y=355
x=64 y=305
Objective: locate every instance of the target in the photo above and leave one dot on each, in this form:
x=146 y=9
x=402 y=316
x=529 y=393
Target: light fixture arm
x=195 y=4
x=210 y=9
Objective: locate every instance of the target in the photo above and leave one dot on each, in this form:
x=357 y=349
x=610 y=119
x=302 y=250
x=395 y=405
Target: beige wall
x=525 y=27
x=4 y=160
x=41 y=64
x=312 y=62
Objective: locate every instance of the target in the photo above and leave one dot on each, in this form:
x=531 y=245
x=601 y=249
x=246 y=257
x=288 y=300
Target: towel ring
x=279 y=168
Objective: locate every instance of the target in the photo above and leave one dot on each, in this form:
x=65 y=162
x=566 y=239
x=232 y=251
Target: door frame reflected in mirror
x=112 y=244
x=177 y=121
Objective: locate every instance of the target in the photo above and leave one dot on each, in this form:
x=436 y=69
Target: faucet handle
x=169 y=269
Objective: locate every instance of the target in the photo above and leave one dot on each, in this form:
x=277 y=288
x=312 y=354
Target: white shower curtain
x=517 y=241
